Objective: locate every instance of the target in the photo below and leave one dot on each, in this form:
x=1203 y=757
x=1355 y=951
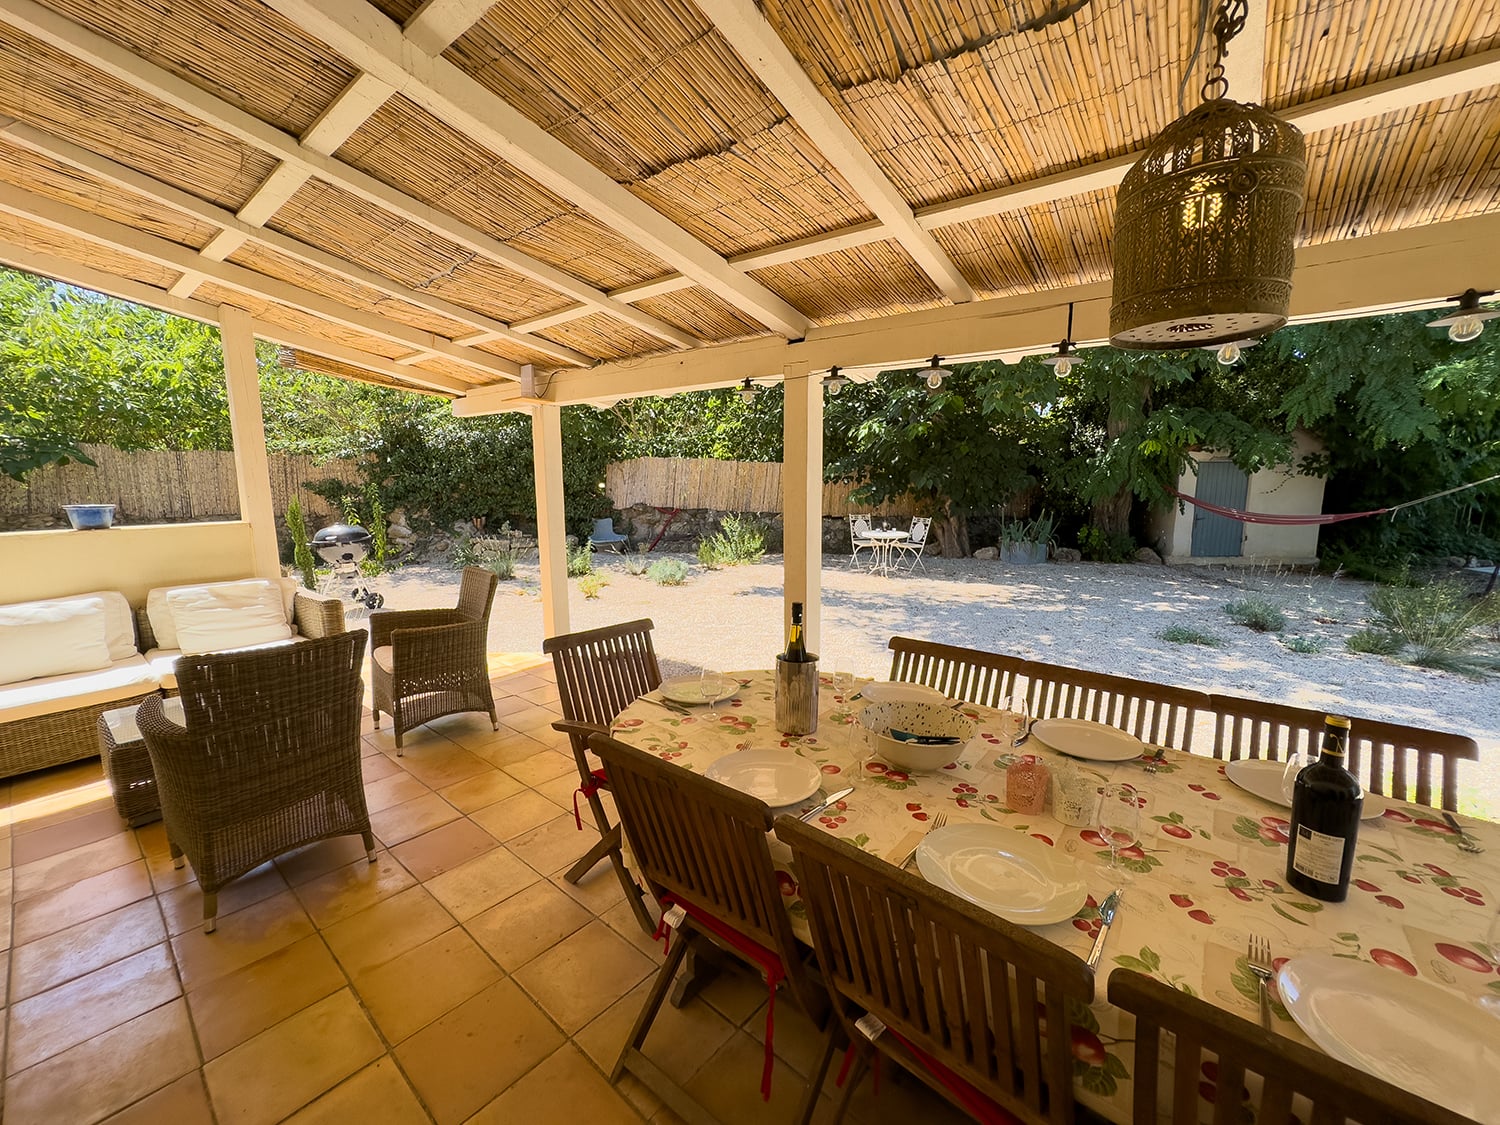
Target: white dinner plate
x=1403 y=1029
x=1005 y=871
x=1263 y=778
x=882 y=691
x=689 y=689
x=777 y=777
x=1079 y=738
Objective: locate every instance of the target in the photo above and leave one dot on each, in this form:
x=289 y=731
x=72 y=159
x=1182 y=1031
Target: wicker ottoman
x=128 y=766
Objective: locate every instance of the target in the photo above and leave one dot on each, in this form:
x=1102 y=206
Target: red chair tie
x=978 y=1106
x=600 y=781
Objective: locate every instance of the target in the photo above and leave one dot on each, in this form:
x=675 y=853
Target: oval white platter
x=1005 y=871
x=1080 y=738
x=777 y=777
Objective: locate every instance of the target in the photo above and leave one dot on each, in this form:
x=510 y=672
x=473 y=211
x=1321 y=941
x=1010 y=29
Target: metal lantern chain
x=1229 y=23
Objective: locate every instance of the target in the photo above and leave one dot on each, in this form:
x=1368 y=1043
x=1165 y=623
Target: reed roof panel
x=852 y=284
x=398 y=10
x=275 y=313
x=1051 y=245
x=517 y=353
x=35 y=236
x=605 y=337
x=322 y=365
x=702 y=313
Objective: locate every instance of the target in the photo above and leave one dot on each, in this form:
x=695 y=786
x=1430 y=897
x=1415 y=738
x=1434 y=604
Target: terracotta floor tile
x=62 y=1017
x=84 y=947
x=465 y=722
x=796 y=1040
x=236 y=1007
x=530 y=720
x=306 y=864
x=581 y=975
x=41 y=784
x=517 y=682
x=285 y=1067
x=481 y=883
x=597 y=891
x=184 y=1102
x=504 y=749
x=183 y=906
x=5 y=852
x=444 y=848
x=621 y=918
x=481 y=790
x=88 y=898
x=376 y=766
x=735 y=993
x=464 y=1060
x=410 y=991
x=106 y=1073
x=85 y=800
x=438 y=766
x=242 y=938
x=395 y=789
x=29 y=846
x=680 y=1041
x=507 y=704
x=511 y=817
x=57 y=871
x=556 y=845
x=543 y=767
x=412 y=818
x=378 y=1095
x=728 y=1085
x=534 y=1097
x=560 y=791
x=527 y=923
x=387 y=929
x=414 y=738
x=352 y=888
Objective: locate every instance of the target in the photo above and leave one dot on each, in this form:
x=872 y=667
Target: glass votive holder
x=1026 y=785
x=1075 y=796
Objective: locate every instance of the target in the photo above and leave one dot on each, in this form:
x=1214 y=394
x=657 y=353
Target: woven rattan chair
x=703 y=849
x=268 y=758
x=985 y=678
x=964 y=997
x=599 y=673
x=1382 y=755
x=1292 y=1083
x=1157 y=714
x=426 y=663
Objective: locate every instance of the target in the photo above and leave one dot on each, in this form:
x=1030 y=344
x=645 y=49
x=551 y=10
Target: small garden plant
x=590 y=584
x=1303 y=643
x=668 y=572
x=302 y=556
x=1185 y=635
x=581 y=560
x=636 y=561
x=1256 y=613
x=1436 y=625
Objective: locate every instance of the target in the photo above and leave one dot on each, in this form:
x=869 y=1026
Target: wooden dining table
x=1208 y=872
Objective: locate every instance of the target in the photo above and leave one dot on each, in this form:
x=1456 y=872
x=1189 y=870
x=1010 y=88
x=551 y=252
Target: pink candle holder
x=1026 y=785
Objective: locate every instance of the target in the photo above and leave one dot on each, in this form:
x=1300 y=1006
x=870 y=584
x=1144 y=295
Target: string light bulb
x=935 y=373
x=747 y=390
x=834 y=382
x=1066 y=358
x=1229 y=353
x=1466 y=323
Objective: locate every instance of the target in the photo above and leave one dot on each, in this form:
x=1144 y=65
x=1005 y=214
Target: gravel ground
x=1103 y=618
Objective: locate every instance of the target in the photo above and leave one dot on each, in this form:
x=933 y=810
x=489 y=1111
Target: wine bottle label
x=1319 y=855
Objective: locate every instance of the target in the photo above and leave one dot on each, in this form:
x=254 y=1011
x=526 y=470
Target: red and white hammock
x=1332 y=517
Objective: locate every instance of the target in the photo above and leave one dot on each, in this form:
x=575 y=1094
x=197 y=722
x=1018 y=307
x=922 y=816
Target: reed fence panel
x=725 y=486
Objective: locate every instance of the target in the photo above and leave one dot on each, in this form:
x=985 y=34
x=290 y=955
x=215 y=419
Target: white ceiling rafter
x=109 y=57
x=758 y=45
x=117 y=236
x=438 y=24
x=371 y=41
x=66 y=152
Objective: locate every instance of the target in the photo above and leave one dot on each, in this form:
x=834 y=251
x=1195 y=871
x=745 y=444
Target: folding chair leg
x=814 y=1090
x=856 y=1075
x=632 y=1059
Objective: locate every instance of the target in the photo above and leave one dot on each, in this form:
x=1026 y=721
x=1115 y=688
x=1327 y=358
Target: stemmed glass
x=1296 y=762
x=1119 y=819
x=710 y=686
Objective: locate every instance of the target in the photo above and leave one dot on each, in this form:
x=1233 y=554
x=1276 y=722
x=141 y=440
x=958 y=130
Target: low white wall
x=133 y=559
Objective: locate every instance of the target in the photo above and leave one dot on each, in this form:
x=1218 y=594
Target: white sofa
x=64 y=661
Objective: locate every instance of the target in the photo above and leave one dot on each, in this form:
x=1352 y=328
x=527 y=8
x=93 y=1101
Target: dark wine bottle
x=796 y=646
x=1326 y=806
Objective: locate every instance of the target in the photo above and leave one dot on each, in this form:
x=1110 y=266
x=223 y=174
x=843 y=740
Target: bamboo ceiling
x=132 y=132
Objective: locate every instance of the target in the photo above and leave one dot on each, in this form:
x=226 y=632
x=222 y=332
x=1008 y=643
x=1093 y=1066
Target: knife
x=1106 y=919
x=833 y=799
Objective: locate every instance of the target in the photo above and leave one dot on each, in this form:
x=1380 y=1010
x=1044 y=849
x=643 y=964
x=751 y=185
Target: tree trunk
x=1111 y=514
x=952 y=532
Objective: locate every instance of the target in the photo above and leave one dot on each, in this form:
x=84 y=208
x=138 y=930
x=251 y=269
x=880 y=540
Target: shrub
x=1439 y=622
x=1105 y=546
x=1038 y=530
x=1184 y=635
x=740 y=540
x=502 y=563
x=1256 y=613
x=302 y=556
x=708 y=555
x=636 y=561
x=466 y=552
x=380 y=541
x=668 y=572
x=591 y=584
x=581 y=559
x=1304 y=644
x=1376 y=641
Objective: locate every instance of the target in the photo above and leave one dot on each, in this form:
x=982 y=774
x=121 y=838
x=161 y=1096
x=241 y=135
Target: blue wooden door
x=1215 y=536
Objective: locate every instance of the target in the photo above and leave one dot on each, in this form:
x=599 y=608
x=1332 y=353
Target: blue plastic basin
x=89 y=517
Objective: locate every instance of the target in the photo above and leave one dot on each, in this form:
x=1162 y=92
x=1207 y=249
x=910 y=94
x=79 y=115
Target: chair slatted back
x=602 y=671
x=1157 y=714
x=985 y=678
x=1288 y=1076
x=1404 y=762
x=704 y=843
x=859 y=526
x=918 y=533
x=476 y=593
x=961 y=984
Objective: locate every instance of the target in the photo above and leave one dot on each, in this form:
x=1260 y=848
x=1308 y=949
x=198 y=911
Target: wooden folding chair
x=1382 y=755
x=704 y=851
x=962 y=998
x=1157 y=714
x=600 y=672
x=985 y=678
x=1291 y=1082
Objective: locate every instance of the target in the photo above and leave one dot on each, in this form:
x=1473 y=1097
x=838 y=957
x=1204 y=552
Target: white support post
x=551 y=520
x=251 y=467
x=802 y=498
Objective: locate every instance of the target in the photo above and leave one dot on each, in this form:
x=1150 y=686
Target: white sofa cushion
x=52 y=694
x=119 y=622
x=52 y=638
x=164 y=626
x=228 y=616
x=163 y=661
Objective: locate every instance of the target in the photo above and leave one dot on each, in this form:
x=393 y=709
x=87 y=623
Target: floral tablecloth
x=1209 y=869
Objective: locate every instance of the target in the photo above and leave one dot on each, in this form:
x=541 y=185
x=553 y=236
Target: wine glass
x=861 y=750
x=710 y=686
x=1296 y=761
x=1119 y=819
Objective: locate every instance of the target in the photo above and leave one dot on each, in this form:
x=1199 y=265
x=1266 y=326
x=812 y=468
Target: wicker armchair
x=268 y=758
x=426 y=663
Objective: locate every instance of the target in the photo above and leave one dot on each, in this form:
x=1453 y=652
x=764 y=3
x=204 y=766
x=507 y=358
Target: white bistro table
x=885 y=548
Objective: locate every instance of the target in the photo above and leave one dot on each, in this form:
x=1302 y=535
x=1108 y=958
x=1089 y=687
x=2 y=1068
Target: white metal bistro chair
x=915 y=542
x=859 y=536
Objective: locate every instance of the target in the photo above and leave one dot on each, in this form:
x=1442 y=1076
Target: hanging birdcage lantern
x=1205 y=221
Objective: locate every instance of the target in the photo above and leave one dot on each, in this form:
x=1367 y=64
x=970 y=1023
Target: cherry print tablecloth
x=1208 y=871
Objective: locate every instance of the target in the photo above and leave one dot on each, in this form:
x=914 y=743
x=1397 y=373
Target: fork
x=1160 y=757
x=937 y=822
x=1258 y=954
x=1465 y=841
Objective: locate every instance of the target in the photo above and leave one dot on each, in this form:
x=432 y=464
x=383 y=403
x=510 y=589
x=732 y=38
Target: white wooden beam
x=438 y=24
x=252 y=468
x=355 y=104
x=366 y=37
x=802 y=499
x=114 y=60
x=551 y=517
x=105 y=232
x=127 y=289
x=758 y=45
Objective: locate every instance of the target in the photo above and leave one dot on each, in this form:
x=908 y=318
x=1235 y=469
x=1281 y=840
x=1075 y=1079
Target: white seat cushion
x=228 y=616
x=382 y=657
x=164 y=625
x=51 y=694
x=52 y=638
x=163 y=661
